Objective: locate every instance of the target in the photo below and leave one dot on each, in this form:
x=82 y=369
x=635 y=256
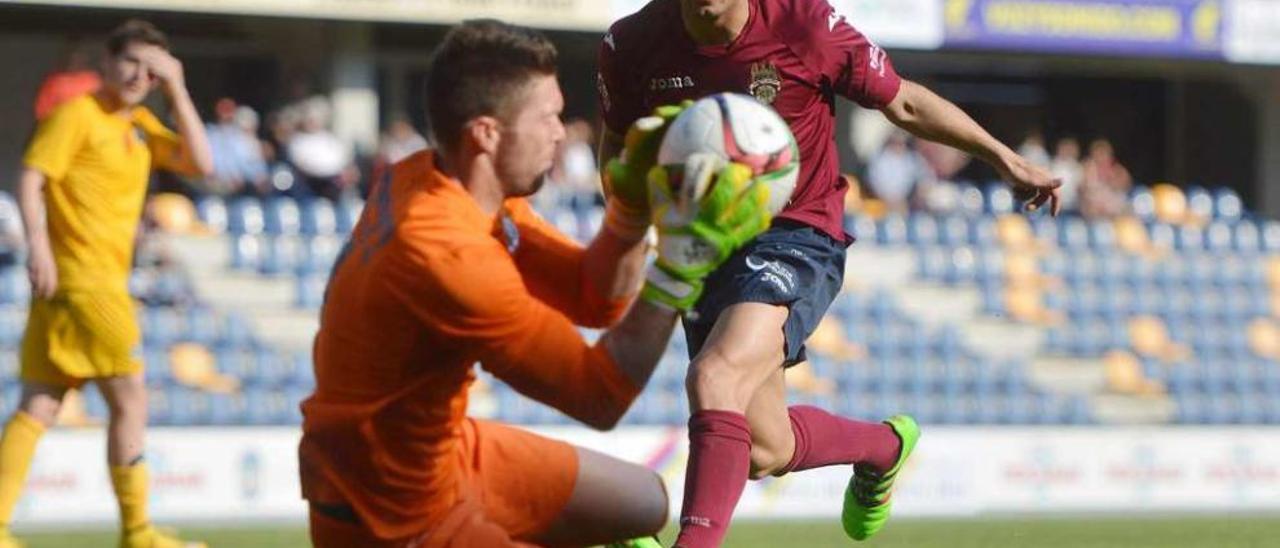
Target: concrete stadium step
x=1064 y=375
x=1122 y=409
x=867 y=266
x=266 y=302
x=1002 y=339
x=935 y=305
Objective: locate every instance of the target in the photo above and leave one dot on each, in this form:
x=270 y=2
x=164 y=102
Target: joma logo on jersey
x=674 y=82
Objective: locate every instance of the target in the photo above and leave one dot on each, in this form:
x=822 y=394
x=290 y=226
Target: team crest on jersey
x=765 y=82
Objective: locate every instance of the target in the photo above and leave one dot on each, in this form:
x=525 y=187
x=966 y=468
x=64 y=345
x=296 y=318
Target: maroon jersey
x=794 y=55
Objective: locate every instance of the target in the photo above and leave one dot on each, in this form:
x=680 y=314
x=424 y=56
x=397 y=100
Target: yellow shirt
x=97 y=165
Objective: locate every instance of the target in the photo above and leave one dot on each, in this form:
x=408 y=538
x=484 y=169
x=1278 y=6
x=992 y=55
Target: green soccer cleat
x=867 y=500
x=644 y=542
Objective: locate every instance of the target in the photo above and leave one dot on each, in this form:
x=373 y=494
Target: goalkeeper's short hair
x=479 y=68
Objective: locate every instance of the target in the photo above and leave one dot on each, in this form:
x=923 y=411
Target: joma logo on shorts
x=674 y=82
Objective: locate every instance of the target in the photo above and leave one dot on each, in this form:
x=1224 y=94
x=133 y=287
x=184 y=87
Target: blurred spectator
x=72 y=77
x=894 y=173
x=1032 y=148
x=397 y=143
x=1105 y=187
x=1066 y=167
x=400 y=140
x=324 y=162
x=238 y=163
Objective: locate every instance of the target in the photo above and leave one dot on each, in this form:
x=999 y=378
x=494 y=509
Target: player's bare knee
x=715 y=383
x=43 y=409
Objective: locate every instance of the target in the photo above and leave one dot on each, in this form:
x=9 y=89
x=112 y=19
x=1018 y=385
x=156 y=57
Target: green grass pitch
x=1073 y=532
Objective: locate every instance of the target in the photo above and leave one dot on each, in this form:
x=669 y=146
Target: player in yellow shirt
x=81 y=194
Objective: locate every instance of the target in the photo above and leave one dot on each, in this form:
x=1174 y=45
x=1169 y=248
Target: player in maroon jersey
x=796 y=55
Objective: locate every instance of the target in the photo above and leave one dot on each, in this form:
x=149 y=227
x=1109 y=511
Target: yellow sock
x=17 y=447
x=130 y=483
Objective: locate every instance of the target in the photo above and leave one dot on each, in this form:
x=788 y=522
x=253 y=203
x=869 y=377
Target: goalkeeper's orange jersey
x=428 y=286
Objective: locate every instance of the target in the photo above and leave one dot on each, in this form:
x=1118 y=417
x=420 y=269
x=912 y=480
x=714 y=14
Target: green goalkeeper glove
x=704 y=211
x=624 y=177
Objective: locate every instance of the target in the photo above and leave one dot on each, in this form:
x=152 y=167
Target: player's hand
x=624 y=177
x=42 y=271
x=1033 y=185
x=163 y=65
x=696 y=235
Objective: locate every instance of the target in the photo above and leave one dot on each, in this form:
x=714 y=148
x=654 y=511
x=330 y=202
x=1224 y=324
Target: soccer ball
x=735 y=127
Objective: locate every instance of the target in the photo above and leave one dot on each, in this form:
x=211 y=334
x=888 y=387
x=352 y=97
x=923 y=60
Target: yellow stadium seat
x=1171 y=203
x=1150 y=338
x=1014 y=232
x=172 y=213
x=1026 y=304
x=828 y=340
x=1125 y=376
x=193 y=365
x=1264 y=339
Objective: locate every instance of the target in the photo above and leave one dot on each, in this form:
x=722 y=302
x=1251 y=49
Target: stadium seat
x=999 y=198
x=1270 y=235
x=280 y=254
x=1171 y=204
x=245 y=216
x=347 y=212
x=1227 y=205
x=1217 y=237
x=212 y=211
x=953 y=230
x=1189 y=239
x=972 y=200
x=1161 y=235
x=1073 y=234
x=863 y=227
x=318 y=218
x=891 y=231
x=922 y=230
x=246 y=251
x=1142 y=202
x=1246 y=238
x=1199 y=203
x=309 y=291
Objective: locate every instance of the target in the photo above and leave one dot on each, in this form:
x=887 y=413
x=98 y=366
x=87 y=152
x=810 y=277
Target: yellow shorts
x=77 y=336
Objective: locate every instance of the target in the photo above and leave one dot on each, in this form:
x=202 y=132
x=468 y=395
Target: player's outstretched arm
x=928 y=116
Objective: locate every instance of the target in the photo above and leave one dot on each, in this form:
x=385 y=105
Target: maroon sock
x=719 y=461
x=823 y=439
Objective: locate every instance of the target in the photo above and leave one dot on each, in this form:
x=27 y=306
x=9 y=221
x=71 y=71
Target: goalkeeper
x=448 y=266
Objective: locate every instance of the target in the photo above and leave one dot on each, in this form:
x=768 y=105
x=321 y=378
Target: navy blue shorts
x=791 y=264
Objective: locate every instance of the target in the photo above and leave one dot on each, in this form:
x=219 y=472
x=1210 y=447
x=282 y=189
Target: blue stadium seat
x=15 y=288
x=982 y=233
x=227 y=409
x=281 y=216
x=1102 y=235
x=245 y=216
x=1270 y=234
x=932 y=263
x=212 y=212
x=962 y=268
x=1217 y=237
x=1073 y=233
x=309 y=291
x=1246 y=238
x=953 y=230
x=972 y=200
x=1227 y=205
x=159 y=406
x=1189 y=239
x=891 y=231
x=999 y=198
x=1199 y=202
x=246 y=251
x=318 y=218
x=281 y=254
x=863 y=227
x=1142 y=202
x=348 y=212
x=1161 y=235
x=922 y=230
x=189 y=407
